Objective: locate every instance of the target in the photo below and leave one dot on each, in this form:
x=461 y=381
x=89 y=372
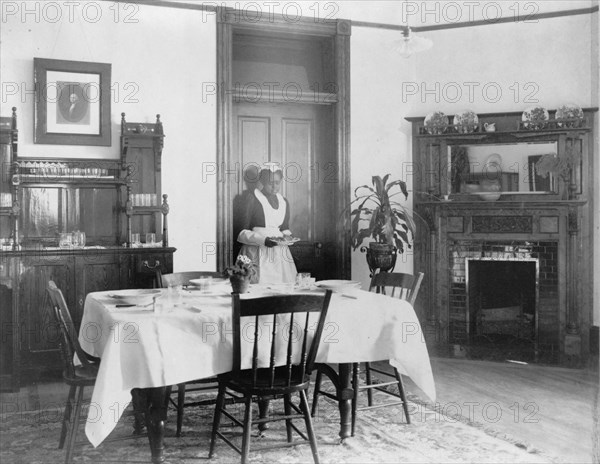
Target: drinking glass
x=135 y=240
x=302 y=279
x=78 y=239
x=65 y=240
x=150 y=238
x=205 y=283
x=174 y=296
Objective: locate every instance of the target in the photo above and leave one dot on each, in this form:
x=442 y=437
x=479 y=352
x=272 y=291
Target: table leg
x=155 y=408
x=343 y=386
x=345 y=395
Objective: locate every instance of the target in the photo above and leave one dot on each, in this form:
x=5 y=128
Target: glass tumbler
x=135 y=240
x=150 y=238
x=65 y=240
x=174 y=296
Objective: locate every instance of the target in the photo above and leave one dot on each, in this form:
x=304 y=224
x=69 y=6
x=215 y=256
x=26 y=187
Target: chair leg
x=318 y=380
x=402 y=395
x=287 y=399
x=247 y=429
x=369 y=382
x=355 y=378
x=216 y=419
x=72 y=437
x=66 y=417
x=180 y=406
x=309 y=426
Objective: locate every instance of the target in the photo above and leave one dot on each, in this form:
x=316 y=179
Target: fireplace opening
x=502 y=302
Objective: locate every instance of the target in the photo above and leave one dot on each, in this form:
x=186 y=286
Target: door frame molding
x=229 y=22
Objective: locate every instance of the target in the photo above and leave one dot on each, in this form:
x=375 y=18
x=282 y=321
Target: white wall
x=170 y=53
x=380 y=141
x=160 y=58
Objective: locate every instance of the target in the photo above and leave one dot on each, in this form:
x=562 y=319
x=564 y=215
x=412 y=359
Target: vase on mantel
x=239 y=284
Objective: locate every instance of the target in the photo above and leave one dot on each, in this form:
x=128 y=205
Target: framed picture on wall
x=72 y=102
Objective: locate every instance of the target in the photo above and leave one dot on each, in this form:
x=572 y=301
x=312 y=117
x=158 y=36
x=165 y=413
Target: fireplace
x=515 y=271
x=504 y=293
x=502 y=298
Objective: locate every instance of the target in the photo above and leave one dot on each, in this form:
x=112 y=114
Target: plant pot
x=239 y=284
x=380 y=256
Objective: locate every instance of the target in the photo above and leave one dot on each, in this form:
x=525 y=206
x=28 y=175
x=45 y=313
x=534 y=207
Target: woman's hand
x=270 y=243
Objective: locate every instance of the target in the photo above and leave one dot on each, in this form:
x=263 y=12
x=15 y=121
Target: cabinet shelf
x=140 y=210
x=498 y=134
x=36 y=181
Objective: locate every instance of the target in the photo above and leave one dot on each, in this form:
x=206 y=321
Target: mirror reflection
x=500 y=168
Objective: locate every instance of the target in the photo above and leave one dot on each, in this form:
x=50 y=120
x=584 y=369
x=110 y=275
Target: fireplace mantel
x=555 y=227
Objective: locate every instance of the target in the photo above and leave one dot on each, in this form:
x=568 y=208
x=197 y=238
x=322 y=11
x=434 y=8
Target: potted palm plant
x=376 y=214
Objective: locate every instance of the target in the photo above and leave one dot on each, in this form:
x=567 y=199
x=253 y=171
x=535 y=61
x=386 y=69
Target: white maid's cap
x=272 y=166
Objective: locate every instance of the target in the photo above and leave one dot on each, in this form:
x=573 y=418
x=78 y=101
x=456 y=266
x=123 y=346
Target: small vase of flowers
x=240 y=273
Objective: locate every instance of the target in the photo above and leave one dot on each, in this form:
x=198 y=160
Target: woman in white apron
x=267 y=217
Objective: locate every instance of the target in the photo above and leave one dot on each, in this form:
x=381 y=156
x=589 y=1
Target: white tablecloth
x=140 y=348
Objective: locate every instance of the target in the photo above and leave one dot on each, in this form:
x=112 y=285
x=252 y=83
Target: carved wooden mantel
x=555 y=227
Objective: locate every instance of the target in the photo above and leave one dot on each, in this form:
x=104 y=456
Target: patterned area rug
x=382 y=436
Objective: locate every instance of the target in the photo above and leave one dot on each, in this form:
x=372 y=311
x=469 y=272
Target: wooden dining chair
x=283 y=355
x=395 y=285
x=77 y=377
x=199 y=385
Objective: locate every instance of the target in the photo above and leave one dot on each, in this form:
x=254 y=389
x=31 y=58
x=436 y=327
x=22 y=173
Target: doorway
x=287 y=102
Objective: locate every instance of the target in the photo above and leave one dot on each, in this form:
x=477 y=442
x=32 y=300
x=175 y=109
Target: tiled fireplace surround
x=547 y=233
x=542 y=253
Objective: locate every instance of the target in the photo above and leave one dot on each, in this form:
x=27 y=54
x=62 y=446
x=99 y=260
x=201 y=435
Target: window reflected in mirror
x=517 y=168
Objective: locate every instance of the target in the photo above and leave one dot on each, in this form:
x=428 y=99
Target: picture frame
x=72 y=102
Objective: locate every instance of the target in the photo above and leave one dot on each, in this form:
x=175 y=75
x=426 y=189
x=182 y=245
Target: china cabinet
x=45 y=202
x=513 y=200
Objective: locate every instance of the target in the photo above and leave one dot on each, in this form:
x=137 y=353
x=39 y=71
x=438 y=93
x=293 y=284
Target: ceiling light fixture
x=412 y=43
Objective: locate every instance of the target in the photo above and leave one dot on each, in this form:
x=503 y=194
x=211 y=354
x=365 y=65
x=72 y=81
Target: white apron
x=275 y=264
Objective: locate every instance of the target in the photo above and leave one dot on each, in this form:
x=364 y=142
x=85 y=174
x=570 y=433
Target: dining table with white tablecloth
x=190 y=337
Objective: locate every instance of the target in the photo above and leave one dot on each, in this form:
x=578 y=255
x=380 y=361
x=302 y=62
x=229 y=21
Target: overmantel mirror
x=511 y=167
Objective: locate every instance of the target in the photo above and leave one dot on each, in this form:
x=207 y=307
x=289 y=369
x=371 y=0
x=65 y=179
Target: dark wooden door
x=299 y=138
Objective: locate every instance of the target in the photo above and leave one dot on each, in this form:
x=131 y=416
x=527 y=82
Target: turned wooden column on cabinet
x=71 y=221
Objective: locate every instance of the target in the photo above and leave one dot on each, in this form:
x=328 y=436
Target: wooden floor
x=550 y=409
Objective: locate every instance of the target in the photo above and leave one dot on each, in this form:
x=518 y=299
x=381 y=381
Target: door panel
x=299 y=139
x=297 y=157
x=38 y=331
x=95 y=274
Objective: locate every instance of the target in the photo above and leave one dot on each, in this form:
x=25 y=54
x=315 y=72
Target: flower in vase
x=243 y=267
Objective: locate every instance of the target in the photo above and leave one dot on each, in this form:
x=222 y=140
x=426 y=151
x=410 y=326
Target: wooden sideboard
x=29 y=334
x=44 y=198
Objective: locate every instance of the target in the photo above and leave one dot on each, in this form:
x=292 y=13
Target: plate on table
x=134 y=297
x=339 y=285
x=203 y=282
